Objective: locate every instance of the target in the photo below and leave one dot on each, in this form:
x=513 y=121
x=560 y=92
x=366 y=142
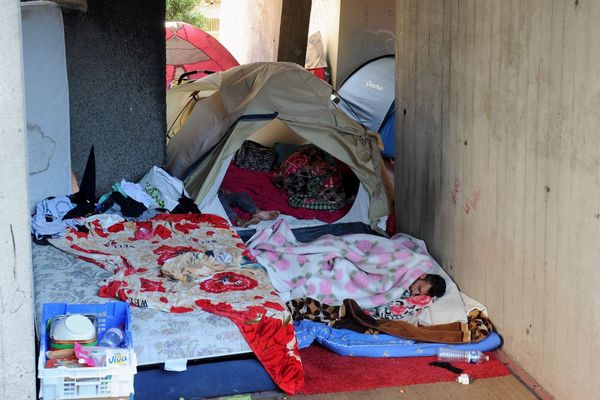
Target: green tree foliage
x=185 y=11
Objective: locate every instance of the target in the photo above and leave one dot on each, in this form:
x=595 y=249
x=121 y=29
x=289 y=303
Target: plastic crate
x=89 y=382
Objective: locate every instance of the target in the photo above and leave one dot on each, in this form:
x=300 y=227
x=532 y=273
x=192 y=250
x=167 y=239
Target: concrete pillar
x=249 y=29
x=17 y=344
x=116 y=70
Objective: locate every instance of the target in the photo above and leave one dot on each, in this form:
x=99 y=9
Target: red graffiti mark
x=455 y=190
x=476 y=197
x=471 y=204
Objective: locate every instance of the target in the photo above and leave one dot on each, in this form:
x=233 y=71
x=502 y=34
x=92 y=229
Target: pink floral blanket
x=370 y=269
x=205 y=257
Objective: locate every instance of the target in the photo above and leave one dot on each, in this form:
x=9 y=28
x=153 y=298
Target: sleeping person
x=432 y=285
x=372 y=270
x=407 y=307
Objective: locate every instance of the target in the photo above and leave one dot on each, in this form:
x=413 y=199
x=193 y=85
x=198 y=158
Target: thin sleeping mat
x=348 y=343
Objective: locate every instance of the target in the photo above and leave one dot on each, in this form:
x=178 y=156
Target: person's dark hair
x=438 y=285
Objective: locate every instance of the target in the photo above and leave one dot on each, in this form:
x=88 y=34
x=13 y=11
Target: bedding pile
x=301 y=181
x=233 y=286
x=259 y=186
x=360 y=283
x=312 y=180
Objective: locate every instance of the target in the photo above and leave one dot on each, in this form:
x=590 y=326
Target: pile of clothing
x=157 y=192
x=312 y=179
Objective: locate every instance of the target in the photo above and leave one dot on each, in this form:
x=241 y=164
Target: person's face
x=420 y=286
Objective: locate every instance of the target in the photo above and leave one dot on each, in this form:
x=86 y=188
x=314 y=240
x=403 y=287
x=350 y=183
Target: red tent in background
x=191 y=49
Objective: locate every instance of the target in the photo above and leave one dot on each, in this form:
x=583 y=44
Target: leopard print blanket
x=479 y=326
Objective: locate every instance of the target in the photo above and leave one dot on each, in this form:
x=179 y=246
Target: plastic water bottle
x=112 y=337
x=451 y=355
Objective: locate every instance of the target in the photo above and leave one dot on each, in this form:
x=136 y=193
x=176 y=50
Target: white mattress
x=158 y=336
x=46 y=101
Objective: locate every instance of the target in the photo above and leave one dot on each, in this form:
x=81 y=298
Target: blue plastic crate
x=111 y=314
x=89 y=382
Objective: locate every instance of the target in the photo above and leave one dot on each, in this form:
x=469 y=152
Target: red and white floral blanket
x=180 y=263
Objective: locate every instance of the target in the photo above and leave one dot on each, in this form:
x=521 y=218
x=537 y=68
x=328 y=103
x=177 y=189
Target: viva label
x=117 y=357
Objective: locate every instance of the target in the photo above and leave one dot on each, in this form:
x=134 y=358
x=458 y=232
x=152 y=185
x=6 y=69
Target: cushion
x=254 y=156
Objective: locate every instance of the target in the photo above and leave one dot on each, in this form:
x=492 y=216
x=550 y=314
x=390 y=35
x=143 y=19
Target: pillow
x=254 y=156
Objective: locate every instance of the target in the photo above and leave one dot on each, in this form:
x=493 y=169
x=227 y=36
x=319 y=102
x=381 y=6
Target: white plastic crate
x=83 y=383
x=89 y=382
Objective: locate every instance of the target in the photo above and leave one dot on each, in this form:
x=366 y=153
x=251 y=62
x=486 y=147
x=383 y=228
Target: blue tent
x=368 y=95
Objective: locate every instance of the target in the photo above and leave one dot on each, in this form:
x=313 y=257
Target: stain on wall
x=116 y=70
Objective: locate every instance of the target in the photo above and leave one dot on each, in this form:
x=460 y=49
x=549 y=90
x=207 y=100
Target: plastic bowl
x=74 y=327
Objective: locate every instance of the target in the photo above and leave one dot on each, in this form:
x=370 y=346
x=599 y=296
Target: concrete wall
x=116 y=69
x=249 y=29
x=17 y=347
x=498 y=169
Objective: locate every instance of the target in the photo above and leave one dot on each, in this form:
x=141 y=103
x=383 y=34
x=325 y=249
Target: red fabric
x=327 y=372
x=227 y=281
x=220 y=58
x=390 y=225
x=318 y=72
x=266 y=196
x=268 y=339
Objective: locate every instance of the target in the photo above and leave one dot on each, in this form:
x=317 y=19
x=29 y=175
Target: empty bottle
x=452 y=355
x=112 y=337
